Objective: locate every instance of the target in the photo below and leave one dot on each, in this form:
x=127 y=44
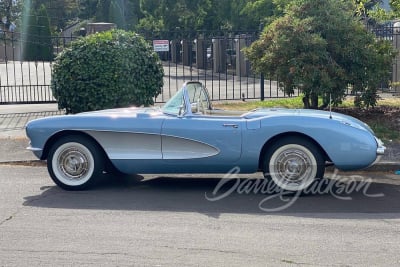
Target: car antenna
x=330 y=105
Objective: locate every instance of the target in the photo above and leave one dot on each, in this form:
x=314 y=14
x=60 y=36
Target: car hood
x=348 y=120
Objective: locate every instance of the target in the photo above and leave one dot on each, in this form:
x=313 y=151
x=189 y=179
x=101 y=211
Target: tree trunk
x=310 y=101
x=306 y=101
x=314 y=101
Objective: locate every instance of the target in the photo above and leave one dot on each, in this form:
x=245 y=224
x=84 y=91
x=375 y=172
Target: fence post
x=262 y=87
x=219 y=55
x=396 y=65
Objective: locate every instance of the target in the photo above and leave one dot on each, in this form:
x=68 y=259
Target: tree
x=117 y=13
x=102 y=11
x=61 y=11
x=29 y=34
x=87 y=9
x=258 y=12
x=395 y=6
x=371 y=11
x=45 y=45
x=170 y=15
x=10 y=11
x=320 y=47
x=36 y=38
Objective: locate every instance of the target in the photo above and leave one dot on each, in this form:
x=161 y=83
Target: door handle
x=230 y=125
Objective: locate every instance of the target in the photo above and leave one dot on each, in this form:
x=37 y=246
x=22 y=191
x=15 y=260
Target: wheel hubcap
x=73 y=163
x=293 y=167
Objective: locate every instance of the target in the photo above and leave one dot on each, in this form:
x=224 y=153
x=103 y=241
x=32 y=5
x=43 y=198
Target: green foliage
x=117 y=14
x=320 y=47
x=161 y=15
x=37 y=37
x=190 y=15
x=61 y=11
x=372 y=11
x=258 y=11
x=106 y=70
x=124 y=13
x=395 y=5
x=10 y=10
x=45 y=46
x=170 y=15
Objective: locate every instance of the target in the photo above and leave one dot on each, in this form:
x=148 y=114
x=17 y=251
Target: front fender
x=348 y=147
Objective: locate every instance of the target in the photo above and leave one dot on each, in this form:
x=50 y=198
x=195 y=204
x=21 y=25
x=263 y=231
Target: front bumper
x=380 y=150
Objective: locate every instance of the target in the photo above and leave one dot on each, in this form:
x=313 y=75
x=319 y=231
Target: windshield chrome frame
x=186 y=102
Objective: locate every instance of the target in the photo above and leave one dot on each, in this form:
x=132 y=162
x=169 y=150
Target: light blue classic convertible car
x=186 y=135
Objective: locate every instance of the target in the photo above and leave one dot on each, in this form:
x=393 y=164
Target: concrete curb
x=384 y=167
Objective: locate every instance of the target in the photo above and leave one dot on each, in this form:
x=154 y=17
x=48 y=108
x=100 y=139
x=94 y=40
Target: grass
x=294 y=102
x=385 y=132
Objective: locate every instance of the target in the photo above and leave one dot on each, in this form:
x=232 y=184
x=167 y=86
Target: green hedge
x=106 y=70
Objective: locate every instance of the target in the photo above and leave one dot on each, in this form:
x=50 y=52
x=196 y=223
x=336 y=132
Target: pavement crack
x=71 y=251
x=9 y=218
x=206 y=249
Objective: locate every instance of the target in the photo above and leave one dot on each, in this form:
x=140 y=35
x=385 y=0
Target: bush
x=106 y=70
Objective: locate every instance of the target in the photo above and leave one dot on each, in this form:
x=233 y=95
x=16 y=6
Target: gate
x=214 y=58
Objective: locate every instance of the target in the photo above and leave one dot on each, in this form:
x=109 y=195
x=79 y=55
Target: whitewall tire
x=75 y=162
x=293 y=164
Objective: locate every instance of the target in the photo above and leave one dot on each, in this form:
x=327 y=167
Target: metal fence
x=214 y=58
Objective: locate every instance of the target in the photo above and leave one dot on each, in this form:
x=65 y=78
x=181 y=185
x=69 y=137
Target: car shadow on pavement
x=200 y=195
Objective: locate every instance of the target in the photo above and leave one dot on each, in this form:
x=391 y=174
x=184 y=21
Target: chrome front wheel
x=74 y=162
x=293 y=164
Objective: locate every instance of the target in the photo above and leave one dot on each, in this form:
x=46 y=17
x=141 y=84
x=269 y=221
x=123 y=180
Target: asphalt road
x=169 y=222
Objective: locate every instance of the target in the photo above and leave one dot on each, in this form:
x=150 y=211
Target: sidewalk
x=13 y=118
x=13 y=141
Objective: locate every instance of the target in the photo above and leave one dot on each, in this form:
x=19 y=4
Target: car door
x=202 y=137
x=196 y=135
x=194 y=141
x=201 y=144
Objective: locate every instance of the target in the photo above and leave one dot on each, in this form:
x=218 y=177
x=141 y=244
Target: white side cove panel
x=124 y=145
x=180 y=148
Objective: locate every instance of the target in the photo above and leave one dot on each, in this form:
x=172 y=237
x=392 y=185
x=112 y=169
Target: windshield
x=197 y=101
x=197 y=94
x=174 y=104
